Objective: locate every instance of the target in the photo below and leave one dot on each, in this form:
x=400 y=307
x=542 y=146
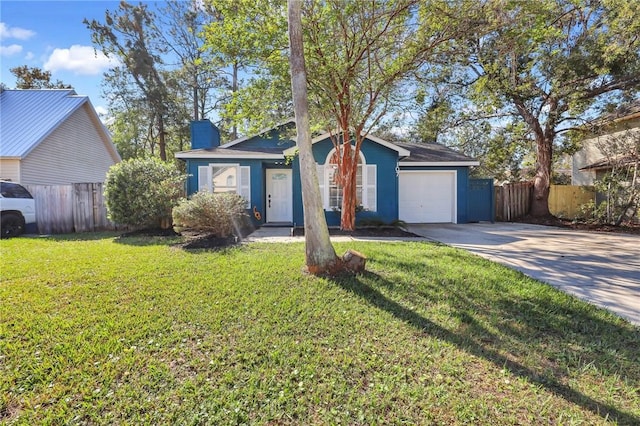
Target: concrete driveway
x=601 y=268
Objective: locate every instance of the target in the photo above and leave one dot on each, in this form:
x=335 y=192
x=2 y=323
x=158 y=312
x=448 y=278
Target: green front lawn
x=96 y=329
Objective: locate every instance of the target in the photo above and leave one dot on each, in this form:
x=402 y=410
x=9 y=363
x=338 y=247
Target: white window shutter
x=244 y=187
x=322 y=184
x=204 y=179
x=369 y=190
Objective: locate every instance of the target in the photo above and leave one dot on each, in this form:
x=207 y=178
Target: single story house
x=416 y=183
x=52 y=137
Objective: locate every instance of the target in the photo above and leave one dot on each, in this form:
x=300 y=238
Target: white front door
x=279 y=195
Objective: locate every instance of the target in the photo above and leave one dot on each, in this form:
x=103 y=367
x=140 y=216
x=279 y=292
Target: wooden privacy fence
x=78 y=207
x=513 y=200
x=566 y=200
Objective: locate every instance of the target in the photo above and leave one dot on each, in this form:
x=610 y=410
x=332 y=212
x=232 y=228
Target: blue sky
x=50 y=35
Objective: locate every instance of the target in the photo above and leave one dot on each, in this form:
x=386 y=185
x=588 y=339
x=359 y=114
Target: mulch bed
x=625 y=228
x=151 y=232
x=198 y=240
x=209 y=242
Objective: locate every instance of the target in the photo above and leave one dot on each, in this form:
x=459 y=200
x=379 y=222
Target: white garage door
x=427 y=196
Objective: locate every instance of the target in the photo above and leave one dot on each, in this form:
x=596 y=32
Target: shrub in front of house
x=141 y=192
x=222 y=214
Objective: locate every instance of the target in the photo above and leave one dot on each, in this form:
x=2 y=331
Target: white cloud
x=10 y=50
x=102 y=111
x=15 y=32
x=82 y=60
x=29 y=56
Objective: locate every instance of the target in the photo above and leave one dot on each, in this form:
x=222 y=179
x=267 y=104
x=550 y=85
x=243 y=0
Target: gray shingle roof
x=28 y=116
x=431 y=152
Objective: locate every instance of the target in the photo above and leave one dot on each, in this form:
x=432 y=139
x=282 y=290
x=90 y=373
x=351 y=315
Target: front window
x=224 y=178
x=331 y=190
x=335 y=190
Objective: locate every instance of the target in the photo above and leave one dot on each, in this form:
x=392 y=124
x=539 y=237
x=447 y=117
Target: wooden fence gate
x=513 y=200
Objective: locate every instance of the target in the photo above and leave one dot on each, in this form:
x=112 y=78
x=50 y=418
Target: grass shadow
x=476 y=339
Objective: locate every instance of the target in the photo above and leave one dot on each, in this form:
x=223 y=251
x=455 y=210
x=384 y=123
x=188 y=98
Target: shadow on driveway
x=601 y=268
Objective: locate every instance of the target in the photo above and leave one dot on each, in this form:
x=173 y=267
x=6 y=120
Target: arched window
x=332 y=191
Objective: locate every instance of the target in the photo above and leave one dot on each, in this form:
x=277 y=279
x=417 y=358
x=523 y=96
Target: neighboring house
x=417 y=183
x=52 y=137
x=590 y=162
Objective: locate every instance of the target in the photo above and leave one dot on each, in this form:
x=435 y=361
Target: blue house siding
x=257 y=172
x=386 y=187
x=271 y=144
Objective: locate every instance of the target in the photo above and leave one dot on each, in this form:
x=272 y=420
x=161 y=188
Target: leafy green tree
x=36 y=78
x=142 y=192
x=361 y=56
x=547 y=62
x=130 y=34
x=182 y=23
x=247 y=40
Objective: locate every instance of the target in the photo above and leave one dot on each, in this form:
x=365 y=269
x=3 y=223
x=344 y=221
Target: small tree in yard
x=621 y=184
x=219 y=214
x=142 y=192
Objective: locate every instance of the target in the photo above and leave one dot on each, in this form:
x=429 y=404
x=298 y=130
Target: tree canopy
x=548 y=64
x=36 y=78
x=503 y=80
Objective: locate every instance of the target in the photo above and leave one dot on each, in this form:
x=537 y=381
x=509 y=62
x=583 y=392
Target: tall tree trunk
x=234 y=90
x=349 y=175
x=320 y=256
x=162 y=144
x=542 y=179
x=195 y=101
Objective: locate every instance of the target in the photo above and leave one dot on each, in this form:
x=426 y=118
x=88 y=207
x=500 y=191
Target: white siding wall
x=73 y=153
x=589 y=154
x=10 y=170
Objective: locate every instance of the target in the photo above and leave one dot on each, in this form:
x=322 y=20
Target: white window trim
x=324 y=182
x=243 y=184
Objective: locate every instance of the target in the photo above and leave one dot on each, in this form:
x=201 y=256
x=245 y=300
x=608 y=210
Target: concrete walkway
x=268 y=234
x=602 y=268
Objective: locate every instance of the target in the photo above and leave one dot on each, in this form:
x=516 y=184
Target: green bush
x=220 y=214
x=142 y=192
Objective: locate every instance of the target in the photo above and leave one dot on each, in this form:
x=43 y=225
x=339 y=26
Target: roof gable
x=266 y=138
x=402 y=152
x=268 y=144
x=27 y=117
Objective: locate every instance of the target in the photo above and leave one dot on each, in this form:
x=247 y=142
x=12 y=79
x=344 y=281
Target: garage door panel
x=427 y=197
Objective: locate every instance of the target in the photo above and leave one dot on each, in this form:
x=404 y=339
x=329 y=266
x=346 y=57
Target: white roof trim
x=245 y=155
x=437 y=163
x=401 y=151
x=261 y=132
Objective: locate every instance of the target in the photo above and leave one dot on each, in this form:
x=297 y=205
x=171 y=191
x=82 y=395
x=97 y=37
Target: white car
x=18 y=210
